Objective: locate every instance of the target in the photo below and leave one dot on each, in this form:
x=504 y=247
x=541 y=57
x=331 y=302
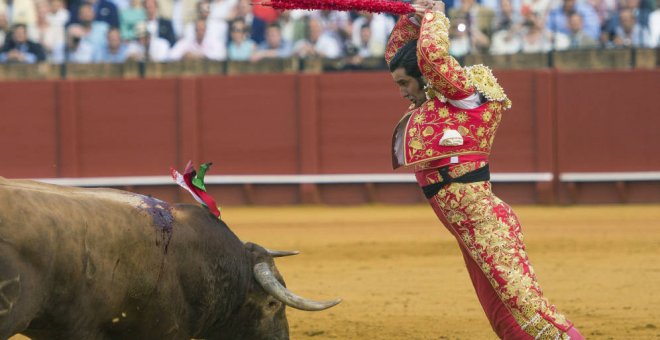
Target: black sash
x=479 y=175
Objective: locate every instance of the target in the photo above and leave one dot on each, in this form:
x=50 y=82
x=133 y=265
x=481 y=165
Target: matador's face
x=409 y=87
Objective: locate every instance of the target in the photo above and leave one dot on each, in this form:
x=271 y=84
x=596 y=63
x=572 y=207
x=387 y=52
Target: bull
x=109 y=264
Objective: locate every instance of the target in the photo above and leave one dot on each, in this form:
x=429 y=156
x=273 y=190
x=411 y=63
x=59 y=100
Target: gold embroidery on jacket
x=482 y=78
x=403 y=32
x=439 y=68
x=428 y=123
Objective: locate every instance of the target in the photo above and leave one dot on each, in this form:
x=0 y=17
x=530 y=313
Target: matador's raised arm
x=438 y=67
x=404 y=31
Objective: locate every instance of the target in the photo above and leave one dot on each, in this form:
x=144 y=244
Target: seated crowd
x=114 y=31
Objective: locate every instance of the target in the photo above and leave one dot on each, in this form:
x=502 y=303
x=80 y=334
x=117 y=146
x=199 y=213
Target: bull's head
x=264 y=309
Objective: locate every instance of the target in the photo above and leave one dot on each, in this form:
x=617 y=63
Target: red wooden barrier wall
x=320 y=123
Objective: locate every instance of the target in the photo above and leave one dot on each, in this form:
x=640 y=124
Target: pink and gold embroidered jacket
x=424 y=127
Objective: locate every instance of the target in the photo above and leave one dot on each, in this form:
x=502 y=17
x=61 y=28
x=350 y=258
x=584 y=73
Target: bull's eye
x=273 y=304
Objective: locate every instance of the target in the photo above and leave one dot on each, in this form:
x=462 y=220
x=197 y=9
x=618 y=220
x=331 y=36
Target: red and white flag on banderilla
x=194 y=184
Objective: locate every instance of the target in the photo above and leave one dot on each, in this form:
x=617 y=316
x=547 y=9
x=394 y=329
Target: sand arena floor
x=401 y=275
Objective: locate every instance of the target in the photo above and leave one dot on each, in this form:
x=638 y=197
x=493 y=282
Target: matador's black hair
x=406 y=57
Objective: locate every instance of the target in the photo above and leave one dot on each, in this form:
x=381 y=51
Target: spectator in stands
x=201 y=46
x=611 y=22
x=47 y=32
x=274 y=46
x=506 y=41
x=539 y=7
x=262 y=17
x=476 y=29
x=335 y=23
x=4 y=28
x=147 y=47
x=157 y=25
x=605 y=9
x=506 y=38
x=77 y=49
x=319 y=43
x=577 y=38
x=243 y=9
x=368 y=47
x=104 y=11
x=93 y=31
x=20 y=12
x=641 y=10
x=115 y=51
x=129 y=17
x=630 y=33
x=183 y=13
x=18 y=49
x=216 y=29
x=241 y=47
x=222 y=9
x=506 y=18
x=536 y=38
x=58 y=15
x=557 y=20
x=352 y=60
x=379 y=26
x=654 y=28
x=293 y=24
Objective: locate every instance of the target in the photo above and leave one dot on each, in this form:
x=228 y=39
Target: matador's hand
x=438 y=6
x=421 y=6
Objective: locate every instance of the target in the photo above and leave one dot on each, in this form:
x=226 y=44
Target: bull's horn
x=281 y=253
x=267 y=279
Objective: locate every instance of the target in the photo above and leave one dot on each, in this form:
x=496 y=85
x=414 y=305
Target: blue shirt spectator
x=76 y=50
x=274 y=46
x=97 y=34
x=88 y=28
x=114 y=51
x=630 y=33
x=240 y=47
x=557 y=20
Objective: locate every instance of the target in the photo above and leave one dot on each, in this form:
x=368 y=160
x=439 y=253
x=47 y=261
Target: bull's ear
x=253 y=247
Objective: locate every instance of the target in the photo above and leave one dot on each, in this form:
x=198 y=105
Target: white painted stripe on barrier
x=280 y=179
x=609 y=176
x=521 y=177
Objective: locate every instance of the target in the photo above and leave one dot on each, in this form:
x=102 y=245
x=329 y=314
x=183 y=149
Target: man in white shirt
x=320 y=42
x=216 y=28
x=654 y=27
x=147 y=47
x=380 y=26
x=201 y=46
